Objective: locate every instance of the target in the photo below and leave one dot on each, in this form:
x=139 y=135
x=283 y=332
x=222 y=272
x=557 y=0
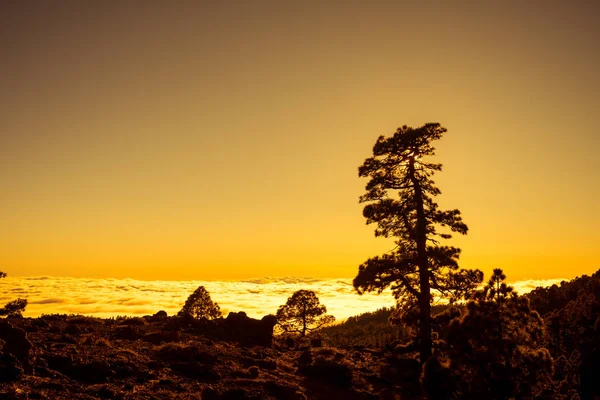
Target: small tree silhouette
x=303 y=313
x=200 y=305
x=15 y=307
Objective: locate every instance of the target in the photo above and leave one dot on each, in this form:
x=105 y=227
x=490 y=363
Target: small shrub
x=335 y=369
x=327 y=364
x=253 y=372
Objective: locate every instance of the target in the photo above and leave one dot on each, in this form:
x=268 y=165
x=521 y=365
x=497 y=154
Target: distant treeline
x=371 y=329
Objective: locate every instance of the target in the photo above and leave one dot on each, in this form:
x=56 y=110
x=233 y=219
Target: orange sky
x=221 y=141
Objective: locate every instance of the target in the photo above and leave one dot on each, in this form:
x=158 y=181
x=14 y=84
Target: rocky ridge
x=161 y=357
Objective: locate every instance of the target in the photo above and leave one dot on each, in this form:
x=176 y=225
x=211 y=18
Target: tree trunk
x=422 y=262
x=304 y=321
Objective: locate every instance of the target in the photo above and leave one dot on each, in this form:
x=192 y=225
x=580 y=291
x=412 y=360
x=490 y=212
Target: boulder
x=10 y=368
x=73 y=329
x=125 y=333
x=210 y=394
x=195 y=370
x=172 y=352
x=60 y=363
x=92 y=372
x=161 y=337
x=235 y=394
x=283 y=391
x=238 y=327
x=16 y=343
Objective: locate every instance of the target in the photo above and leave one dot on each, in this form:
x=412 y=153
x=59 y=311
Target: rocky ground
x=160 y=357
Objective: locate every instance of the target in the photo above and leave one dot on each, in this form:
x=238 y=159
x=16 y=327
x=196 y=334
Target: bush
x=327 y=364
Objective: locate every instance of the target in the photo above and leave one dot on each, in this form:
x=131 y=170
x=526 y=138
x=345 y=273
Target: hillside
x=371 y=329
x=162 y=357
x=76 y=357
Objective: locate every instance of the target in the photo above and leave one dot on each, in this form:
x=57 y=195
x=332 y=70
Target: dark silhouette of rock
x=59 y=362
x=124 y=370
x=125 y=333
x=189 y=361
x=107 y=393
x=235 y=394
x=16 y=343
x=333 y=370
x=161 y=337
x=253 y=372
x=134 y=321
x=304 y=361
x=210 y=394
x=270 y=365
x=66 y=338
x=173 y=352
x=10 y=368
x=73 y=329
x=92 y=372
x=282 y=391
x=195 y=370
x=238 y=327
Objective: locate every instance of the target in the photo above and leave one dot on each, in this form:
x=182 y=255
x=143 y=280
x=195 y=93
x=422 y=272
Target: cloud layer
x=257 y=297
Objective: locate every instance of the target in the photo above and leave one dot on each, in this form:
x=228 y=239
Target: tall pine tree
x=400 y=201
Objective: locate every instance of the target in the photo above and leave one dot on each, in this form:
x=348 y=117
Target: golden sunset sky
x=221 y=140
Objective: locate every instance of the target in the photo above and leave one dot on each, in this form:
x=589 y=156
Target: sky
x=221 y=140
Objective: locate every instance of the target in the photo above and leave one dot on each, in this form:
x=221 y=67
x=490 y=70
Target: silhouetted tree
x=303 y=313
x=400 y=200
x=495 y=349
x=15 y=307
x=200 y=305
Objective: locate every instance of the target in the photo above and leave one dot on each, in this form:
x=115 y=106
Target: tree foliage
x=571 y=313
x=303 y=313
x=370 y=329
x=200 y=305
x=496 y=348
x=14 y=307
x=399 y=199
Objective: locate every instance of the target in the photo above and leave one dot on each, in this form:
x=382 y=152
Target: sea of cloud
x=257 y=297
